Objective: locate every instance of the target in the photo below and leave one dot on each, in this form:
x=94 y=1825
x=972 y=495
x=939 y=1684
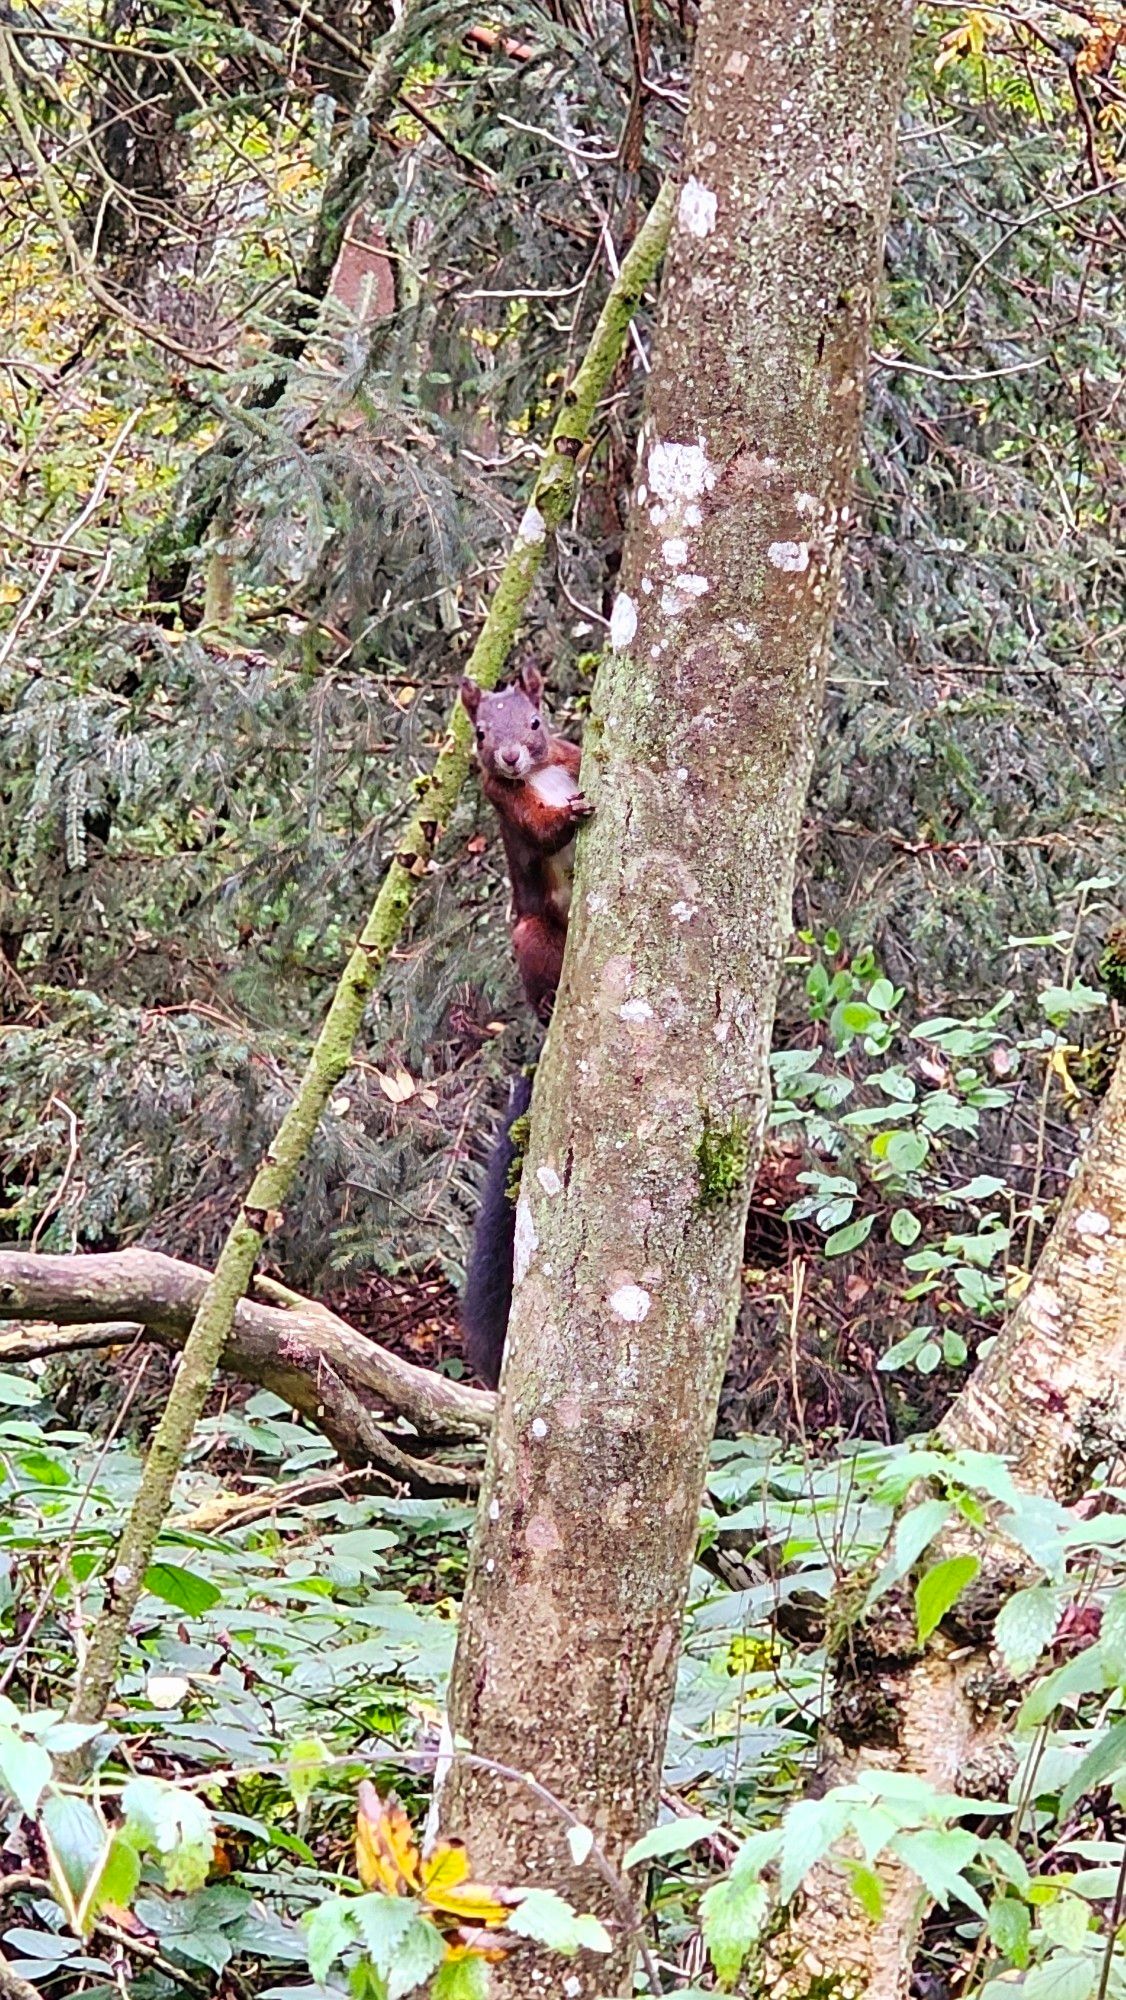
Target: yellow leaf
x=1058 y=1063
x=386 y=1849
x=445 y=1868
x=474 y=1903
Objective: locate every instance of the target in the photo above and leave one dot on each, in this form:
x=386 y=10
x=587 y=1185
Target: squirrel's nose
x=511 y=756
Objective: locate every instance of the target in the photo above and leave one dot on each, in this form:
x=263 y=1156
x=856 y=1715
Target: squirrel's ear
x=531 y=680
x=470 y=696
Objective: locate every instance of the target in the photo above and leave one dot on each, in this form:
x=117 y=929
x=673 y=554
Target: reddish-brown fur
x=514 y=746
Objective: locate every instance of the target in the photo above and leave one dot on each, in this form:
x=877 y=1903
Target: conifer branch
x=549 y=506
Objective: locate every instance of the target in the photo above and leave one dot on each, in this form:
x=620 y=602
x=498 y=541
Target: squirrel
x=487 y=1299
x=531 y=778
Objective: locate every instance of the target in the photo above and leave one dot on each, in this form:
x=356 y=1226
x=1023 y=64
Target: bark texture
x=651 y=1098
x=1050 y=1396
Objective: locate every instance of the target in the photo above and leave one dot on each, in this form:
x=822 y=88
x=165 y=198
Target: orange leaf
x=474 y=1903
x=386 y=1849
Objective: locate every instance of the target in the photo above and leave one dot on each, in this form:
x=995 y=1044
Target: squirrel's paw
x=579 y=807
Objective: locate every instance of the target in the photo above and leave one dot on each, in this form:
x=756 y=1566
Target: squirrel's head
x=512 y=737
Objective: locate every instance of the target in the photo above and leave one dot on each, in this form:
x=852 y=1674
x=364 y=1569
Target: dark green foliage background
x=191 y=830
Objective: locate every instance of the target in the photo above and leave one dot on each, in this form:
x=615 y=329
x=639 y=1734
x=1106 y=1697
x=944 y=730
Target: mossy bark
x=652 y=1095
x=549 y=505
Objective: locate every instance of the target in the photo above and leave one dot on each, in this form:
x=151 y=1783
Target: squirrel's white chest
x=554 y=785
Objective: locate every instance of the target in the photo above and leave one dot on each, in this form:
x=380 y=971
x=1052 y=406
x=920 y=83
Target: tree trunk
x=1049 y=1396
x=651 y=1098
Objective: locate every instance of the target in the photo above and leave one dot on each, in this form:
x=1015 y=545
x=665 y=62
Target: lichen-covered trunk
x=1050 y=1397
x=651 y=1098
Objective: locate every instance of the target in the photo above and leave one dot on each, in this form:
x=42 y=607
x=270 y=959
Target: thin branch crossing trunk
x=652 y=1095
x=550 y=504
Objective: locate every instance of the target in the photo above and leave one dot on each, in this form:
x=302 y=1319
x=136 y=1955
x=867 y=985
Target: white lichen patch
x=680 y=473
x=533 y=527
x=697 y=209
x=1092 y=1222
x=525 y=1242
x=549 y=1180
x=635 y=1010
x=623 y=622
x=789 y=555
x=807 y=503
x=677 y=597
x=683 y=912
x=630 y=1302
x=494 y=1510
x=675 y=551
x=538 y=1427
x=647 y=585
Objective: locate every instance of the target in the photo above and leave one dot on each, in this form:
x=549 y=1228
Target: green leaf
x=916 y=1530
x=905 y=1226
x=808 y=1831
x=1065 y=1921
x=857 y=1016
x=938 y=1857
x=544 y=1916
x=1057 y=1002
x=78 y=1845
x=1112 y=1637
x=461 y=1979
x=1105 y=1759
x=176 y=1825
x=25 y=1770
x=305 y=1764
x=1025 y=1625
x=675 y=1837
x=903 y=1351
x=868 y=1889
x=881 y=995
x=848 y=1238
x=419 y=1954
x=381 y=1922
x=732 y=1915
x=329 y=1932
x=17 y=1392
x=1062 y=1977
x=1082 y=1675
x=1010 y=1927
x=905 y=1151
x=181 y=1587
x=940 y=1588
x=118 y=1881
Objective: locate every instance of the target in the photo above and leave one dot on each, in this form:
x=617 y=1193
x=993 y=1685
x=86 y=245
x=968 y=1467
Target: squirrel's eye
x=535 y=722
x=480 y=736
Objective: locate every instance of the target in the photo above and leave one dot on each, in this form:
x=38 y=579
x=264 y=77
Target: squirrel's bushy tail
x=488 y=1279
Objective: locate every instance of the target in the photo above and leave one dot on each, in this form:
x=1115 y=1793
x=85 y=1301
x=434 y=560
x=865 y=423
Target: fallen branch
x=299 y=1349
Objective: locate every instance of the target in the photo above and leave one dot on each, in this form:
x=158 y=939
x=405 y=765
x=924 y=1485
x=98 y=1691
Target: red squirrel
x=531 y=778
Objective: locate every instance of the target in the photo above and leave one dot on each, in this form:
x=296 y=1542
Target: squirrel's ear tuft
x=470 y=695
x=531 y=680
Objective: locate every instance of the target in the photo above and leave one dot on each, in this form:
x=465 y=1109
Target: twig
x=59 y=1195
